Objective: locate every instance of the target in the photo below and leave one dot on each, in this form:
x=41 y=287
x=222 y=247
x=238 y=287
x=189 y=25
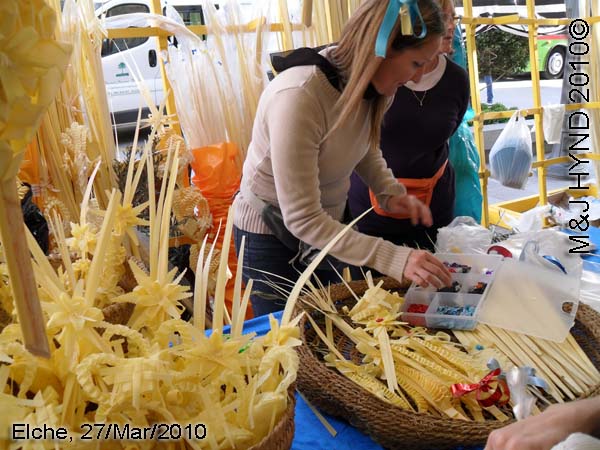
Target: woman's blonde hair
x=355 y=57
x=446 y=5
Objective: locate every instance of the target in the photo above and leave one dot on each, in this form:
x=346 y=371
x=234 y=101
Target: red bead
x=417 y=308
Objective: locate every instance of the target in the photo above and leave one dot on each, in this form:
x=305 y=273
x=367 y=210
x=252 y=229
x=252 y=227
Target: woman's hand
x=411 y=206
x=424 y=269
x=545 y=430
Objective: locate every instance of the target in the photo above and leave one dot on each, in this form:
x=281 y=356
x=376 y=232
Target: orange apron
x=422 y=188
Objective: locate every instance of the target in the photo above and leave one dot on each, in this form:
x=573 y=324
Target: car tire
x=555 y=63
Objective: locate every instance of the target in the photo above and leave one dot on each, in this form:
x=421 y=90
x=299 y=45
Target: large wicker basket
x=392 y=427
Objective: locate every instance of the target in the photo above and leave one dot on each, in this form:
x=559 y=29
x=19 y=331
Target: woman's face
x=446 y=46
x=403 y=66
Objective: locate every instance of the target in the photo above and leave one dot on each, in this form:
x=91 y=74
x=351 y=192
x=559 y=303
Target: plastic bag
x=553 y=120
x=519 y=379
x=511 y=155
x=522 y=400
x=35 y=221
x=463 y=235
x=464 y=158
x=217 y=173
x=532 y=220
x=590 y=284
x=550 y=242
x=574 y=209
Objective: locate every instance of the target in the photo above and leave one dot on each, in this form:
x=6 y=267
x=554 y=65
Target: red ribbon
x=491 y=390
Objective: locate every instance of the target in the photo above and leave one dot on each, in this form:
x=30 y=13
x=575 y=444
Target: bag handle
x=515 y=117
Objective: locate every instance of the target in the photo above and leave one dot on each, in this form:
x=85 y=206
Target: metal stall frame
x=490 y=213
x=495 y=213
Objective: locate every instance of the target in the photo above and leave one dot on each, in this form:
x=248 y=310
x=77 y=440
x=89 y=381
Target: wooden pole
x=20 y=270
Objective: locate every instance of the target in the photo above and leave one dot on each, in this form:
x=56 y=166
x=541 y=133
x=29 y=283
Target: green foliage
x=500 y=53
x=496 y=107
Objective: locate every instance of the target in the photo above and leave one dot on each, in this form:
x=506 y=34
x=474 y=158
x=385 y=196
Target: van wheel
x=555 y=64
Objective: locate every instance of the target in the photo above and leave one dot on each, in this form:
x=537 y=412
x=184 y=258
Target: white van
x=124 y=98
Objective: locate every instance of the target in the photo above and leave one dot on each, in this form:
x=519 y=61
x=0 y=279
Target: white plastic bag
x=463 y=235
x=532 y=220
x=511 y=155
x=551 y=242
x=590 y=284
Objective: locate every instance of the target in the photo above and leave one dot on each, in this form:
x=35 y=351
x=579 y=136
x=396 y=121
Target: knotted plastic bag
x=217 y=173
x=511 y=156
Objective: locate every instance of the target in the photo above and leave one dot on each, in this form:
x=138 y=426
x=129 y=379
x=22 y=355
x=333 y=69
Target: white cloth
x=578 y=441
x=553 y=120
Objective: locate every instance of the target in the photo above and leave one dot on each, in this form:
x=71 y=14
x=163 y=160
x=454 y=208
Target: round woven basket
x=396 y=428
x=282 y=435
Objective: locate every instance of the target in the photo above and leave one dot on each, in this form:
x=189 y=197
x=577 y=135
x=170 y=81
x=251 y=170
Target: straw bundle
x=223 y=76
x=75 y=132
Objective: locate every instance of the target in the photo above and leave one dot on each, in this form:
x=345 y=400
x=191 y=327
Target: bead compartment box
x=456 y=307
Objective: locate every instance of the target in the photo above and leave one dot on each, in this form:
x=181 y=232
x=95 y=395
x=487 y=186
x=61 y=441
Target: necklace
x=420 y=100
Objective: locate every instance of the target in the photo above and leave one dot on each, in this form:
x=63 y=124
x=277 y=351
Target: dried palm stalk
x=33 y=63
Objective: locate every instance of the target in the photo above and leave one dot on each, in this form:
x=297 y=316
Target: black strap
x=306 y=56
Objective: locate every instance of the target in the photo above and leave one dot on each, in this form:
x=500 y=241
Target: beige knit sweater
x=289 y=165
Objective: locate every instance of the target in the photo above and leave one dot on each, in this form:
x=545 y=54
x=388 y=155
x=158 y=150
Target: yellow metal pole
x=535 y=80
x=476 y=104
x=155 y=8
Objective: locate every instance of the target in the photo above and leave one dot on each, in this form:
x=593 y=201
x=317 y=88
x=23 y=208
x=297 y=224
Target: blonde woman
x=415 y=144
x=318 y=121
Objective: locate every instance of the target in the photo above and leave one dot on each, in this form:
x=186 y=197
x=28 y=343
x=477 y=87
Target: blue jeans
x=266 y=253
x=489 y=89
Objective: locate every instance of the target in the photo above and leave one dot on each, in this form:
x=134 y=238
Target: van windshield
x=191 y=14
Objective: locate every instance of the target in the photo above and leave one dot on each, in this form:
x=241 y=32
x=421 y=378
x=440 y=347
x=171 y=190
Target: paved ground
x=498 y=193
x=520 y=94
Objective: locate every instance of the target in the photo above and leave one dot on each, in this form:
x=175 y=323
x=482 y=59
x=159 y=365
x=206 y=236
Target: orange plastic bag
x=29 y=171
x=217 y=173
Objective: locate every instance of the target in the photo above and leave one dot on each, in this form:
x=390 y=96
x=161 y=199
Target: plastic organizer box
x=456 y=307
